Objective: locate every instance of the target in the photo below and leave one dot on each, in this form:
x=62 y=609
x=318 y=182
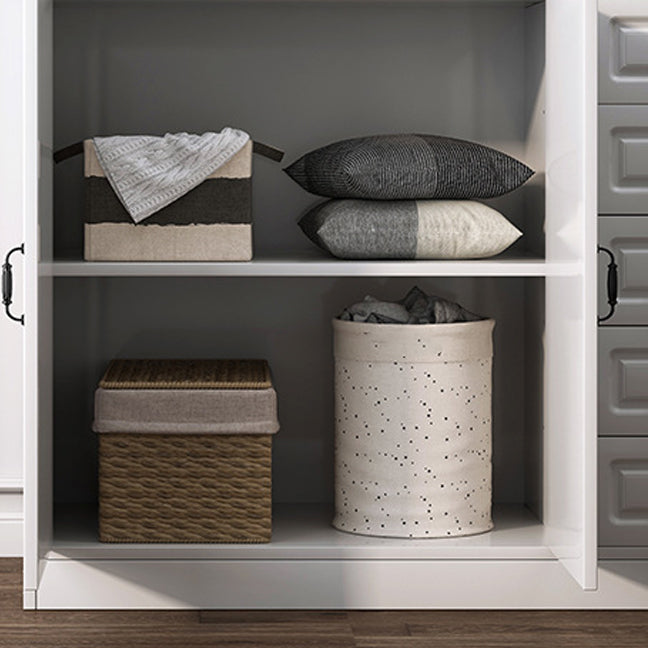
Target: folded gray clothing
x=415 y=308
x=428 y=309
x=446 y=311
x=380 y=312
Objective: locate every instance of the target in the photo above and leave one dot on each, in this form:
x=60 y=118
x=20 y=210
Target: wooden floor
x=411 y=629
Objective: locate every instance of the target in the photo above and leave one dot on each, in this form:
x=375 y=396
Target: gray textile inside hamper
x=415 y=308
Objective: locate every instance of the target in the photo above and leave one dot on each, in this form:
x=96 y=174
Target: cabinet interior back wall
x=299 y=75
x=287 y=321
x=295 y=75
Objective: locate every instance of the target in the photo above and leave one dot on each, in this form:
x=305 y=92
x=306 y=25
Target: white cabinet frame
x=561 y=578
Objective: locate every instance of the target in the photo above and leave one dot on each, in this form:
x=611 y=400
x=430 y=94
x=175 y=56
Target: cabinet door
x=623 y=51
x=623 y=159
x=570 y=337
x=37 y=168
x=623 y=492
x=627 y=238
x=623 y=383
x=11 y=235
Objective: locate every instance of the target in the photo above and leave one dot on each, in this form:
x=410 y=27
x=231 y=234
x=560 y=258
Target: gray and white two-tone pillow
x=408 y=229
x=408 y=167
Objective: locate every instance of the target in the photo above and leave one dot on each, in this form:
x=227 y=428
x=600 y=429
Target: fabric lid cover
x=186 y=397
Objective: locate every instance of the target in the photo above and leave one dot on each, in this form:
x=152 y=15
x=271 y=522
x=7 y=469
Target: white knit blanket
x=147 y=173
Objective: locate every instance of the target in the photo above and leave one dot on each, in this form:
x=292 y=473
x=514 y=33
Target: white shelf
x=314 y=266
x=304 y=532
x=476 y=3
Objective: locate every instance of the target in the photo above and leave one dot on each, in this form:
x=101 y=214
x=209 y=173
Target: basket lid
x=187 y=374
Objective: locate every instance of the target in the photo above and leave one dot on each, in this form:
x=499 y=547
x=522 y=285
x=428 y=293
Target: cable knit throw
x=148 y=173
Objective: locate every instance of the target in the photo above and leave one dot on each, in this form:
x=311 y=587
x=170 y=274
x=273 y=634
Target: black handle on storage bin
x=612 y=284
x=7 y=284
x=68 y=152
x=270 y=152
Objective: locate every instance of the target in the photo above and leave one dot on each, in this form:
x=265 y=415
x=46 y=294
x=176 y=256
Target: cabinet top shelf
x=298 y=266
x=524 y=3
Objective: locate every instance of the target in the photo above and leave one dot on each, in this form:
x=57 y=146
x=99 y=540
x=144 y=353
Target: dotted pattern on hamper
x=413 y=448
x=185 y=488
x=187 y=374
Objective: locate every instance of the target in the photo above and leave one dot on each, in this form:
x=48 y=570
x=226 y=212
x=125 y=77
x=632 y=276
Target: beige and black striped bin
x=212 y=222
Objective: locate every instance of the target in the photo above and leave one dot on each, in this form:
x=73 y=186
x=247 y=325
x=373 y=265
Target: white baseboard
x=334 y=585
x=11 y=518
x=29 y=600
x=11 y=538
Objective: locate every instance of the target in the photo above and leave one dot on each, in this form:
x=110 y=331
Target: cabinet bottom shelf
x=304 y=532
x=310 y=565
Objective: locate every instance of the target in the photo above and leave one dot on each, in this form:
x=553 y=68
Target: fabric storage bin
x=185 y=451
x=413 y=428
x=213 y=222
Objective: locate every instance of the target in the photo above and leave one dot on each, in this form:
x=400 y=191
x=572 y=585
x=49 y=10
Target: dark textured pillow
x=408 y=229
x=408 y=167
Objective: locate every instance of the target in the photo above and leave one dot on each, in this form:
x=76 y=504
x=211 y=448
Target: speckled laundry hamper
x=413 y=428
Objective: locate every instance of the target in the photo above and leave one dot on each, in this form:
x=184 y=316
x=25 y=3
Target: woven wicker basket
x=179 y=486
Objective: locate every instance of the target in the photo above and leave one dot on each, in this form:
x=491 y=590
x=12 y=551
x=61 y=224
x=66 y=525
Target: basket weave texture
x=187 y=374
x=185 y=488
x=190 y=488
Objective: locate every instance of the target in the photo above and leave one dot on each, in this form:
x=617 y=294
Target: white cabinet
x=11 y=235
x=298 y=75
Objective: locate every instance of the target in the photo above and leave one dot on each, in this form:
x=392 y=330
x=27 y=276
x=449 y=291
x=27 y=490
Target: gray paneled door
x=623 y=229
x=623 y=159
x=627 y=237
x=623 y=381
x=623 y=492
x=623 y=51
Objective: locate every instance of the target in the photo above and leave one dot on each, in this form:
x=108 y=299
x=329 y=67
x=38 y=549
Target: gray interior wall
x=534 y=325
x=286 y=321
x=534 y=321
x=535 y=131
x=296 y=75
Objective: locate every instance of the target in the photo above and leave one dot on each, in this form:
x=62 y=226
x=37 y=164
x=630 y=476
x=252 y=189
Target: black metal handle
x=612 y=283
x=271 y=152
x=7 y=284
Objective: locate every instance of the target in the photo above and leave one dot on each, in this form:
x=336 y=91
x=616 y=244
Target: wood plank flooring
x=354 y=629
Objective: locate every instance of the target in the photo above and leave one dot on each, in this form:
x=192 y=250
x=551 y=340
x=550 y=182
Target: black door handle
x=7 y=284
x=612 y=283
